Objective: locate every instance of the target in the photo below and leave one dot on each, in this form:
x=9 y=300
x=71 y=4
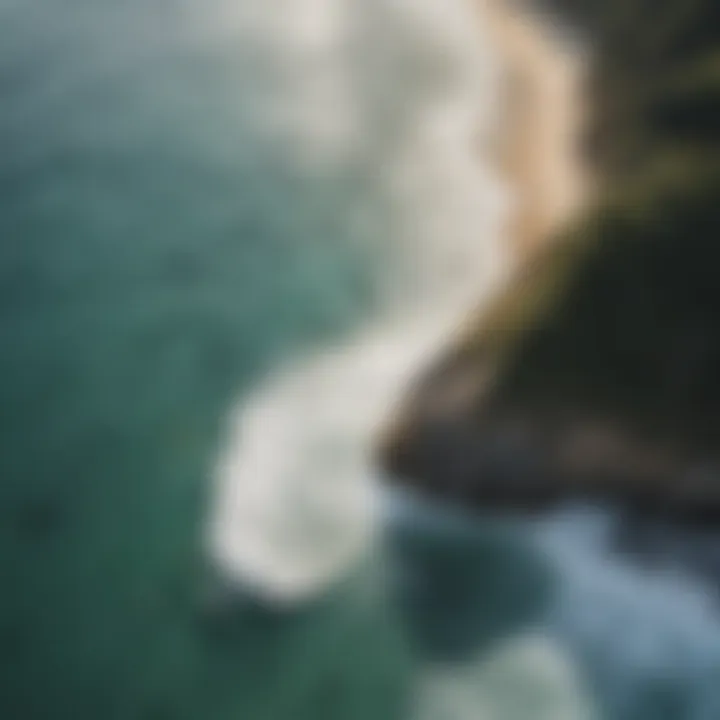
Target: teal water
x=156 y=253
x=189 y=198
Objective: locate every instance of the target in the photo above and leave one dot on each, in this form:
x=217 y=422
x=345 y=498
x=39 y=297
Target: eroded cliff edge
x=596 y=371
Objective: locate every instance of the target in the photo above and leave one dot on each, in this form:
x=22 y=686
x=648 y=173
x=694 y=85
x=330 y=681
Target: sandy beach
x=543 y=113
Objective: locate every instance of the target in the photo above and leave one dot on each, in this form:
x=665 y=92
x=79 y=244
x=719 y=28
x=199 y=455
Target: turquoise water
x=181 y=211
x=156 y=254
x=161 y=247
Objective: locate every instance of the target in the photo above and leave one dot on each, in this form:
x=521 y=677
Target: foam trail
x=528 y=676
x=405 y=91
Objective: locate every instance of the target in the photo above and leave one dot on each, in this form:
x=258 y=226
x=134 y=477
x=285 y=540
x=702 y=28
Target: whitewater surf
x=296 y=497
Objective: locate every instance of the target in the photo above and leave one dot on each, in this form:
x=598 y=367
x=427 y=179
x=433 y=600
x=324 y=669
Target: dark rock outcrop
x=596 y=372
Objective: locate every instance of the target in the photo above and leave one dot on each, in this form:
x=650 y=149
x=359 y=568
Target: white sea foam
x=529 y=676
x=408 y=90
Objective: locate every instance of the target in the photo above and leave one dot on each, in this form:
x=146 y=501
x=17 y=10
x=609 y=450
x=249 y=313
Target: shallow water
x=195 y=200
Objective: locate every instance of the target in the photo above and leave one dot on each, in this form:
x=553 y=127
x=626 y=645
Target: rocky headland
x=595 y=372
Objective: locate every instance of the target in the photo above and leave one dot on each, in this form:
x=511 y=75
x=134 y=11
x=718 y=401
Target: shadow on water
x=463 y=585
x=461 y=611
x=438 y=591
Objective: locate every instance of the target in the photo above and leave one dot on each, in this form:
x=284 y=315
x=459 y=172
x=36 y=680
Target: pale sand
x=544 y=116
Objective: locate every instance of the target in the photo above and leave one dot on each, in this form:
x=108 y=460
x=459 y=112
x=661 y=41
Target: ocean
x=230 y=233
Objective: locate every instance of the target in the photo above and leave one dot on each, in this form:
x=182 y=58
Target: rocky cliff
x=596 y=371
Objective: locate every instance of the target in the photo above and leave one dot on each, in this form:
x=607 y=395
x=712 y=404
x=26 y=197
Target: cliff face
x=596 y=372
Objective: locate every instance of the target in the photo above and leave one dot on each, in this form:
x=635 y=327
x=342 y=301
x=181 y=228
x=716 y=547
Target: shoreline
x=543 y=116
x=590 y=377
x=535 y=153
